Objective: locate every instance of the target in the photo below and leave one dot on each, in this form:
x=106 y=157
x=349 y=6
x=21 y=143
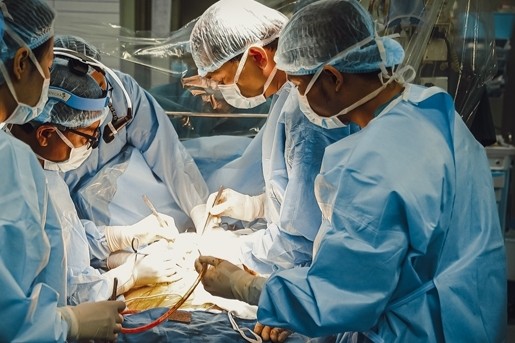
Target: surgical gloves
x=238 y=206
x=145 y=231
x=97 y=321
x=226 y=280
x=199 y=215
x=150 y=265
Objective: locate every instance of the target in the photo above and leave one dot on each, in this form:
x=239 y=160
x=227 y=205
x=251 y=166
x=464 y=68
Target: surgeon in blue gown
x=63 y=136
x=410 y=248
x=233 y=44
x=153 y=135
x=32 y=257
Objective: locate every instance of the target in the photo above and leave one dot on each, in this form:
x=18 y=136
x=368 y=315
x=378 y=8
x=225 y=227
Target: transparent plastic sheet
x=450 y=44
x=160 y=64
x=412 y=20
x=472 y=47
x=114 y=195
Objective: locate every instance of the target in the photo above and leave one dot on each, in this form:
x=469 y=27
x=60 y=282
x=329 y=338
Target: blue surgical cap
x=84 y=86
x=31 y=20
x=317 y=33
x=228 y=28
x=77 y=44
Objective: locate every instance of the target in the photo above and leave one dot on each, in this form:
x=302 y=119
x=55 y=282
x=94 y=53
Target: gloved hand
x=99 y=320
x=145 y=231
x=117 y=258
x=238 y=206
x=199 y=215
x=150 y=265
x=156 y=267
x=226 y=280
x=274 y=335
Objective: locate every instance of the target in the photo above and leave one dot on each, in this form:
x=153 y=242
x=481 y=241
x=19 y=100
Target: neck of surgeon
x=362 y=86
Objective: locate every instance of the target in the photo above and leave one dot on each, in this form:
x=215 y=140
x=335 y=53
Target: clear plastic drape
x=450 y=43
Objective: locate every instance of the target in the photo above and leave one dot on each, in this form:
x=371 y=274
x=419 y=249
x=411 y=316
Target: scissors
x=210 y=216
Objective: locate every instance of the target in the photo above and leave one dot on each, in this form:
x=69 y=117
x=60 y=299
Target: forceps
x=210 y=216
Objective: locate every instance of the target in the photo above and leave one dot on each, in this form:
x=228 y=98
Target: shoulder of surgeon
x=128 y=82
x=13 y=151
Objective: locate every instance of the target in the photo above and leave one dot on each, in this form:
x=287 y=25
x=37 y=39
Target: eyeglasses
x=80 y=63
x=92 y=140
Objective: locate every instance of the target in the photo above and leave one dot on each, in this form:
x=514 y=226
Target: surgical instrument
x=115 y=289
x=210 y=216
x=160 y=220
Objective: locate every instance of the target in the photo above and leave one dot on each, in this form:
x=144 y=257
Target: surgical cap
x=227 y=28
x=322 y=30
x=84 y=86
x=31 y=20
x=77 y=44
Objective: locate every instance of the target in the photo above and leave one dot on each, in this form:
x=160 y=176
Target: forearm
x=96 y=240
x=247 y=288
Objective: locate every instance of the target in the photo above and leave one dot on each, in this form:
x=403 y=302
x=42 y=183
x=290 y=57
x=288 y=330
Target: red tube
x=168 y=313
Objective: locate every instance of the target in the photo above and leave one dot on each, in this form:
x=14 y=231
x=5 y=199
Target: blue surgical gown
x=152 y=133
x=32 y=262
x=84 y=282
x=410 y=248
x=291 y=154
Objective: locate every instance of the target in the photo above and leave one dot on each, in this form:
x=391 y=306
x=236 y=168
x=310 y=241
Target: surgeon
x=32 y=257
x=146 y=128
x=63 y=137
x=410 y=248
x=233 y=44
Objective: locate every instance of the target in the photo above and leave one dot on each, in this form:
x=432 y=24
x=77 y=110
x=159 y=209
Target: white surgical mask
x=325 y=122
x=333 y=121
x=77 y=157
x=232 y=93
x=23 y=113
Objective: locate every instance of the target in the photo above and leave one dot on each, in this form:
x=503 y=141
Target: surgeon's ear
x=21 y=63
x=258 y=54
x=335 y=75
x=44 y=134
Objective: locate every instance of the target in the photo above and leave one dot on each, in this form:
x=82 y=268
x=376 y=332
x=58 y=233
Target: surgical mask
x=333 y=122
x=232 y=93
x=77 y=157
x=23 y=113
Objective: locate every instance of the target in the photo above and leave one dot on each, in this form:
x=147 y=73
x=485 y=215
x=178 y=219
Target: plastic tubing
x=168 y=313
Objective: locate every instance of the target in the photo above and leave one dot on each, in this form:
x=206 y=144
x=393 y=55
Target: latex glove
x=151 y=265
x=226 y=280
x=158 y=266
x=199 y=215
x=145 y=231
x=99 y=320
x=117 y=258
x=271 y=334
x=238 y=206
